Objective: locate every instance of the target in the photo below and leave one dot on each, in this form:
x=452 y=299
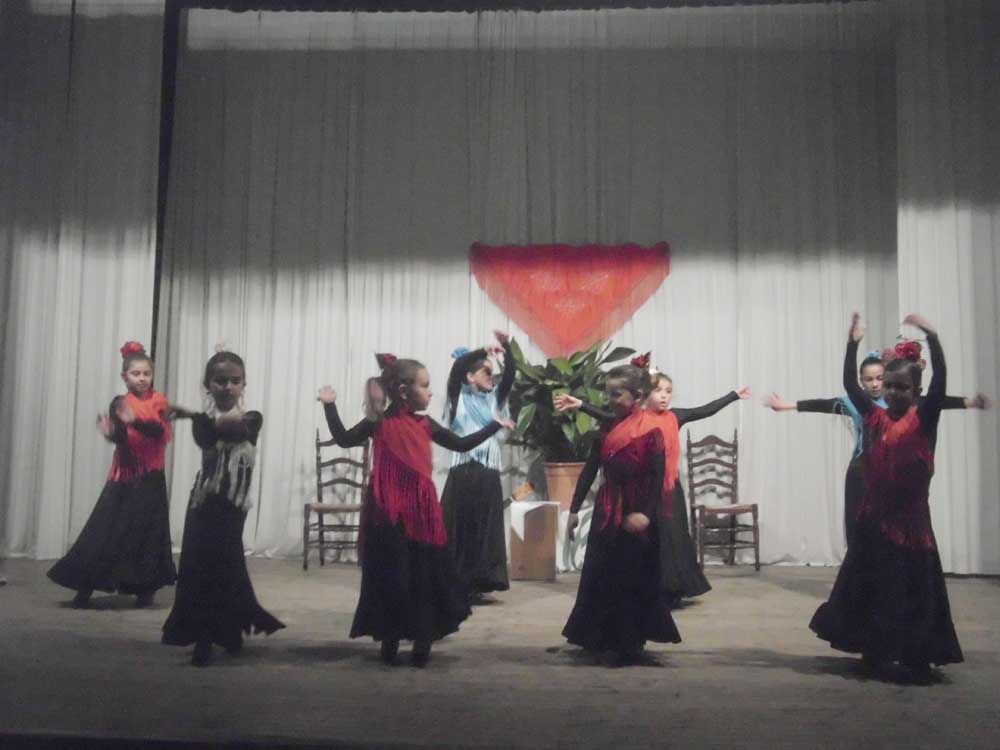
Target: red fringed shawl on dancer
x=628 y=445
x=898 y=474
x=140 y=453
x=402 y=481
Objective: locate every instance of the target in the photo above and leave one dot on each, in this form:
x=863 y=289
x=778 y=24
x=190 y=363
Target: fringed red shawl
x=141 y=454
x=403 y=490
x=898 y=469
x=625 y=457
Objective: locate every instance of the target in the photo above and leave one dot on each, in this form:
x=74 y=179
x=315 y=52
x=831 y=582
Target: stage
x=749 y=674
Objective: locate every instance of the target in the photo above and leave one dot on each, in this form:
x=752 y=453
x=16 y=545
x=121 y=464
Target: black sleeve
x=857 y=395
x=203 y=430
x=953 y=402
x=597 y=413
x=149 y=429
x=587 y=476
x=658 y=467
x=707 y=410
x=345 y=438
x=820 y=406
x=119 y=432
x=507 y=380
x=930 y=407
x=448 y=439
x=253 y=421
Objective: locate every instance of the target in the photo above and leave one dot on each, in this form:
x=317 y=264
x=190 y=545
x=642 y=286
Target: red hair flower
x=909 y=350
x=384 y=359
x=642 y=361
x=132 y=347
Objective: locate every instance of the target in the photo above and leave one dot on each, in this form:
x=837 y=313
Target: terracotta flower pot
x=561 y=482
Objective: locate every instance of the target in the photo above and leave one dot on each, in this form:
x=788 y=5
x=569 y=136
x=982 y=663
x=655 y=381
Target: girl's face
x=225 y=385
x=620 y=398
x=661 y=396
x=872 y=379
x=418 y=396
x=482 y=378
x=138 y=376
x=900 y=392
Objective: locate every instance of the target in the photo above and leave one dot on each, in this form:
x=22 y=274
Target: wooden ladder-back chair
x=338 y=521
x=712 y=470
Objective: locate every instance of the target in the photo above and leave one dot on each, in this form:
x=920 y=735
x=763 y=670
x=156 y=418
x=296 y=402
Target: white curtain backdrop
x=948 y=64
x=79 y=102
x=330 y=171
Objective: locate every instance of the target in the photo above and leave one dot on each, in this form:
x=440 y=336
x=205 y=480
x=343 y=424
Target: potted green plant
x=562 y=441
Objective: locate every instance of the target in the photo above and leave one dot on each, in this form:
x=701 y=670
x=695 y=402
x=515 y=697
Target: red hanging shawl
x=668 y=425
x=141 y=454
x=402 y=482
x=898 y=469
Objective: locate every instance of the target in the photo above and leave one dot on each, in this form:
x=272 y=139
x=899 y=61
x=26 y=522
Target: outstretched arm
x=820 y=406
x=706 y=410
x=345 y=438
x=450 y=440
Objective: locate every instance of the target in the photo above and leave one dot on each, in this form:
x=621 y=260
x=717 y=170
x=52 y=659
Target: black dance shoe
x=82 y=598
x=389 y=649
x=202 y=655
x=144 y=600
x=421 y=654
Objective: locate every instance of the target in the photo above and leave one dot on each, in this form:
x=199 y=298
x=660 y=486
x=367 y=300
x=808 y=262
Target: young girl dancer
x=215 y=600
x=620 y=603
x=125 y=544
x=409 y=587
x=889 y=601
x=472 y=500
x=682 y=576
x=870 y=378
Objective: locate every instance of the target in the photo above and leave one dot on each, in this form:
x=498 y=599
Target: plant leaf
x=618 y=353
x=562 y=365
x=524 y=419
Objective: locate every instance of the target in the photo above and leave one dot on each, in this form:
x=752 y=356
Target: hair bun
x=131 y=347
x=384 y=359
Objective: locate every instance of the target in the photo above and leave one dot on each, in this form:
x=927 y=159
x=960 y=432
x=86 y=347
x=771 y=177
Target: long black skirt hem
x=681 y=575
x=472 y=506
x=620 y=604
x=889 y=602
x=215 y=599
x=125 y=544
x=409 y=589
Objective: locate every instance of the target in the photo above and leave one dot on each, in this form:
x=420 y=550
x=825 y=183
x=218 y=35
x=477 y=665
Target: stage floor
x=749 y=674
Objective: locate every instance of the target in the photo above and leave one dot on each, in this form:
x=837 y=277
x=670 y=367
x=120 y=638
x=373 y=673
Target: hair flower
x=642 y=361
x=132 y=347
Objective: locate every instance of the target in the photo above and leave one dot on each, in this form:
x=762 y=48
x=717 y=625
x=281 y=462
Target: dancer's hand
x=920 y=322
x=979 y=401
x=503 y=338
x=744 y=393
x=636 y=523
x=777 y=403
x=124 y=412
x=506 y=422
x=564 y=402
x=571 y=523
x=105 y=426
x=174 y=411
x=327 y=395
x=857 y=331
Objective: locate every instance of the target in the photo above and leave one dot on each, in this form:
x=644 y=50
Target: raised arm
x=853 y=388
x=930 y=407
x=509 y=370
x=357 y=435
x=448 y=439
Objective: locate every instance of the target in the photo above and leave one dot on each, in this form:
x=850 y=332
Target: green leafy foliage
x=559 y=437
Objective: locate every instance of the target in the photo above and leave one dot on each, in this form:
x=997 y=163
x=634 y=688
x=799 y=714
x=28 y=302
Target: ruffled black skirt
x=409 y=589
x=889 y=602
x=854 y=493
x=125 y=544
x=215 y=600
x=681 y=575
x=620 y=603
x=472 y=505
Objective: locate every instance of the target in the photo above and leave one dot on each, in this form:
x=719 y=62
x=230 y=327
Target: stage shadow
x=112 y=603
x=815 y=588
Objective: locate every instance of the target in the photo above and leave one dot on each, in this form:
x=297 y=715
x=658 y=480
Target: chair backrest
x=340 y=471
x=712 y=468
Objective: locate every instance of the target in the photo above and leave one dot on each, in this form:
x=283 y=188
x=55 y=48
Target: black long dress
x=854 y=479
x=472 y=501
x=890 y=601
x=215 y=599
x=620 y=603
x=682 y=576
x=410 y=589
x=125 y=544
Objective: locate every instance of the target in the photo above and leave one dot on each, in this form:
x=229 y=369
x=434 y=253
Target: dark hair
x=637 y=381
x=914 y=370
x=868 y=362
x=396 y=373
x=463 y=365
x=656 y=377
x=138 y=356
x=217 y=359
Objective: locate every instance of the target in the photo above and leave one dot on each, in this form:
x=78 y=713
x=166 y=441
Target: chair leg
x=305 y=538
x=756 y=541
x=321 y=538
x=701 y=539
